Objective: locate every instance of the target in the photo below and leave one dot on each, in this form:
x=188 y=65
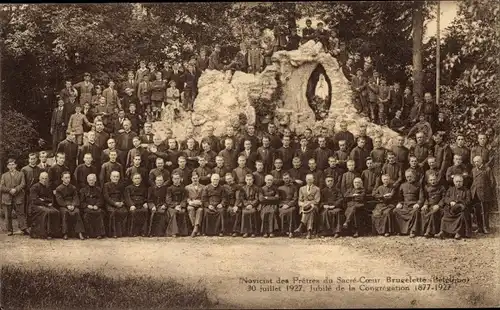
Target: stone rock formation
x=283 y=83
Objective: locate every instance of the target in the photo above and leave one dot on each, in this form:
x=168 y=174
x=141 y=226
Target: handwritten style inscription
x=361 y=283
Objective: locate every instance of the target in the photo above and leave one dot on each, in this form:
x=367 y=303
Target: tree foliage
x=472 y=96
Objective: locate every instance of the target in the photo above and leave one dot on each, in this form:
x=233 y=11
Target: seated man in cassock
x=115 y=205
x=407 y=212
x=214 y=204
x=176 y=202
x=136 y=196
x=355 y=198
x=456 y=218
x=231 y=189
x=45 y=218
x=382 y=216
x=92 y=203
x=268 y=208
x=195 y=204
x=332 y=209
x=157 y=195
x=68 y=202
x=309 y=199
x=433 y=206
x=288 y=205
x=248 y=198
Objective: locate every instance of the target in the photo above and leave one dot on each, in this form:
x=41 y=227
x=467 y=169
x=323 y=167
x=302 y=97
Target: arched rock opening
x=319 y=92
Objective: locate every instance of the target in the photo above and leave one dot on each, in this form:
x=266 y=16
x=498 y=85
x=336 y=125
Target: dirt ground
x=220 y=263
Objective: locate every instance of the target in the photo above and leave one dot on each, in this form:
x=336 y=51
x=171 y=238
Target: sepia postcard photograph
x=250 y=155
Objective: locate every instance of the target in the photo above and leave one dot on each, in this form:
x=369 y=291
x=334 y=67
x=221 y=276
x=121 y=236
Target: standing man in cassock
x=56 y=170
x=46 y=219
x=92 y=203
x=31 y=173
x=70 y=149
x=214 y=202
x=12 y=185
x=407 y=212
x=92 y=148
x=83 y=171
x=58 y=123
x=456 y=218
x=309 y=199
x=176 y=202
x=115 y=206
x=110 y=166
x=124 y=141
x=67 y=199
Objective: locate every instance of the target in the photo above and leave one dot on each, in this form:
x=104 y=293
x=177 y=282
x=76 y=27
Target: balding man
x=112 y=147
x=407 y=212
x=309 y=198
x=214 y=204
x=117 y=211
x=46 y=220
x=483 y=192
x=269 y=201
x=92 y=204
x=456 y=218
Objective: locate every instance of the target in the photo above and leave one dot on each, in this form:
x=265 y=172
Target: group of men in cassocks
x=249 y=185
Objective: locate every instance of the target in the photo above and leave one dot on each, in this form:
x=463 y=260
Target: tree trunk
x=417 y=30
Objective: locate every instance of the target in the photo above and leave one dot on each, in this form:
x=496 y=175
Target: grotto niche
x=319 y=92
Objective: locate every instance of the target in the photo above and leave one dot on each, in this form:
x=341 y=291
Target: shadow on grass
x=68 y=289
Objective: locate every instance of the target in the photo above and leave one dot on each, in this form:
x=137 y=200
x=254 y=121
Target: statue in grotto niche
x=319 y=92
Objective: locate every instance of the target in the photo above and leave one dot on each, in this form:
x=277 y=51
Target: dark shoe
x=440 y=235
x=26 y=232
x=245 y=235
x=81 y=236
x=412 y=235
x=290 y=235
x=49 y=238
x=234 y=235
x=458 y=237
x=322 y=237
x=10 y=233
x=174 y=236
x=99 y=237
x=65 y=237
x=265 y=235
x=355 y=235
x=387 y=234
x=486 y=231
x=271 y=235
x=336 y=236
x=221 y=235
x=345 y=226
x=253 y=236
x=427 y=235
x=115 y=236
